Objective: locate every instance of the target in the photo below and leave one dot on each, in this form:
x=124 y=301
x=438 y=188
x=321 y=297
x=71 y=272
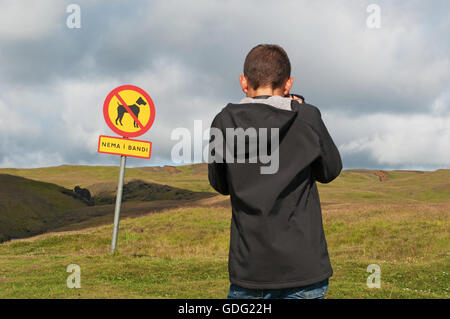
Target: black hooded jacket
x=277 y=238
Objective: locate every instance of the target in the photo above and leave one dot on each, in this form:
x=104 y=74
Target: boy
x=277 y=243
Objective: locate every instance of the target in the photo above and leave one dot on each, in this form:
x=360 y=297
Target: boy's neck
x=265 y=91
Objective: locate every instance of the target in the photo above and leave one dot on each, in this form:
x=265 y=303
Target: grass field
x=400 y=223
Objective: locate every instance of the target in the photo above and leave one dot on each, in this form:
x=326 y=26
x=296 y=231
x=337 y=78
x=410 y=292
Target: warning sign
x=124 y=146
x=129 y=111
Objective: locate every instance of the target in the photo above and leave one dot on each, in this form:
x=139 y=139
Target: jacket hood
x=259 y=115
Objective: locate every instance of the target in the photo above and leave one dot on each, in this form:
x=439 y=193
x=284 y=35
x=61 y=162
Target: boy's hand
x=296 y=97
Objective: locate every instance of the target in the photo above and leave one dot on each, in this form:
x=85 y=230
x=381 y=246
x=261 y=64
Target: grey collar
x=277 y=101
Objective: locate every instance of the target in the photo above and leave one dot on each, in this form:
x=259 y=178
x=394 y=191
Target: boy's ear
x=288 y=85
x=244 y=83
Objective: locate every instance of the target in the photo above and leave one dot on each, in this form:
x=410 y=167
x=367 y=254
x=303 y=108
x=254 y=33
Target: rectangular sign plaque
x=124 y=146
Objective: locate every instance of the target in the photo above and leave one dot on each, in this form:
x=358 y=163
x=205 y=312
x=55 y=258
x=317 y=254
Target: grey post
x=123 y=160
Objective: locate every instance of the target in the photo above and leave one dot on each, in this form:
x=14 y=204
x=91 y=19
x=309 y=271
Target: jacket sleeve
x=329 y=164
x=217 y=171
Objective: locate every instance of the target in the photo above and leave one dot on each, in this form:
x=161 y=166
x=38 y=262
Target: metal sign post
x=139 y=109
x=123 y=160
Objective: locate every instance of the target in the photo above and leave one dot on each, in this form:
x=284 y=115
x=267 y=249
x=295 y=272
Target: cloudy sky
x=384 y=93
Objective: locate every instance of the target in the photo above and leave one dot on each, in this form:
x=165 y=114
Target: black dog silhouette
x=133 y=108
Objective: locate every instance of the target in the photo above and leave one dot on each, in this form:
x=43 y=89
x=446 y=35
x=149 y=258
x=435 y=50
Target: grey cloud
x=188 y=56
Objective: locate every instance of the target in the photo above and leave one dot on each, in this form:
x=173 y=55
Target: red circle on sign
x=115 y=93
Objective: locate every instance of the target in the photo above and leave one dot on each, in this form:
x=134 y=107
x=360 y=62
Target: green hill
x=352 y=185
x=29 y=207
x=191 y=177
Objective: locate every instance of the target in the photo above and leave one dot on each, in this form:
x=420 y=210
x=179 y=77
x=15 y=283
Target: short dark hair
x=267 y=65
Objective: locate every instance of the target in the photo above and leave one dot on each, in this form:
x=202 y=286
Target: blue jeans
x=314 y=291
